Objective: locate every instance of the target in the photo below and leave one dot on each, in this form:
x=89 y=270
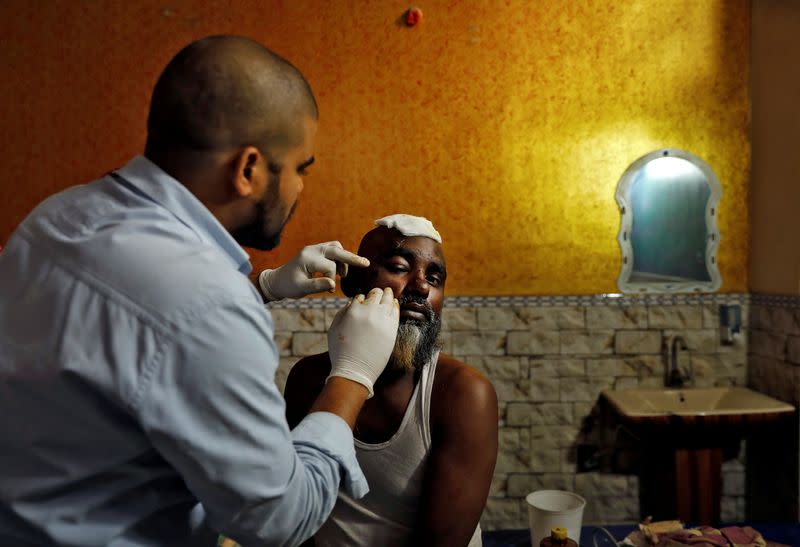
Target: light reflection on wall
x=507 y=123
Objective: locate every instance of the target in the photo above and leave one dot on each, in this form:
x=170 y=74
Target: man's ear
x=249 y=169
x=353 y=283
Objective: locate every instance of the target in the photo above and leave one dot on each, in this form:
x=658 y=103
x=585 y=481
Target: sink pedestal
x=683 y=433
x=683 y=483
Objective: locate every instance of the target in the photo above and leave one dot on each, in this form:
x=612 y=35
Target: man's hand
x=362 y=336
x=296 y=278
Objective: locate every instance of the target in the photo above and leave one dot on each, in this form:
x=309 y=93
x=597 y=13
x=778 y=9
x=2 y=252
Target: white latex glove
x=295 y=279
x=362 y=336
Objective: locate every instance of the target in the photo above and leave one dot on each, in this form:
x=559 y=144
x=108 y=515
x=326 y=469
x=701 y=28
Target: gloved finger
x=387 y=297
x=318 y=264
x=334 y=251
x=359 y=298
x=394 y=310
x=374 y=296
x=318 y=284
x=341 y=267
x=328 y=270
x=339 y=314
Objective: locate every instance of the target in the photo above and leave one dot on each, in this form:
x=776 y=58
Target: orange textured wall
x=508 y=123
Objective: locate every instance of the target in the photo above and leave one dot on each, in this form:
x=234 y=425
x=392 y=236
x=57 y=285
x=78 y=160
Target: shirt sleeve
x=211 y=408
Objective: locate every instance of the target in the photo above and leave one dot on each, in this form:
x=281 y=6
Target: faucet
x=677 y=377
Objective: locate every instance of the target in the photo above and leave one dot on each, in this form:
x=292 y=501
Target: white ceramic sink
x=713 y=401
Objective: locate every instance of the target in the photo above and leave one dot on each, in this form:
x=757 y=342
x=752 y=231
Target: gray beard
x=416 y=343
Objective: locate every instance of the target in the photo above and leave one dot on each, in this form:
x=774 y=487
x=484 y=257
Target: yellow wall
x=775 y=181
x=508 y=123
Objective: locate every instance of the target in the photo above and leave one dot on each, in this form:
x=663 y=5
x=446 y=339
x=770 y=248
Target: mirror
x=668 y=236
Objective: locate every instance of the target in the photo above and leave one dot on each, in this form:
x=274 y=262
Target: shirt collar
x=155 y=183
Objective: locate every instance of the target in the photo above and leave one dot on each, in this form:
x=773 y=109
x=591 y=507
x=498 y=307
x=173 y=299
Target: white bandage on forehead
x=410 y=226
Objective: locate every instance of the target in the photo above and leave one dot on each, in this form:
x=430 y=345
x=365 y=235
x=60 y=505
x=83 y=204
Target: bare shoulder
x=460 y=387
x=310 y=368
x=305 y=382
x=458 y=379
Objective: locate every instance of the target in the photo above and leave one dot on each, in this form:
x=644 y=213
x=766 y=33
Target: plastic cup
x=550 y=508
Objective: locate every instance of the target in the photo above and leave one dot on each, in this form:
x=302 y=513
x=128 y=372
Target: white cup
x=554 y=508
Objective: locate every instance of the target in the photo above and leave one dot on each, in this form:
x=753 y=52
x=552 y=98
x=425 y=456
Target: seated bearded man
x=427 y=439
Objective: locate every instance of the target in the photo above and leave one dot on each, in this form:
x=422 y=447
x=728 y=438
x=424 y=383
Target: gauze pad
x=410 y=226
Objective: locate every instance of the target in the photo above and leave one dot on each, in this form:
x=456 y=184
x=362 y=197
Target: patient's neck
x=382 y=414
x=392 y=375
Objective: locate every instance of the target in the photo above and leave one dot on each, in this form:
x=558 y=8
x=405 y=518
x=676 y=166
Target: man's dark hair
x=227 y=92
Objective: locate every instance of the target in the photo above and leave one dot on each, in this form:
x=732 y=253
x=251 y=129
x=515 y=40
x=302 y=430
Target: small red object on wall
x=413 y=16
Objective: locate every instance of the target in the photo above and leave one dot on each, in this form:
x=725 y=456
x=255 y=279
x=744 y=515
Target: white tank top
x=394 y=470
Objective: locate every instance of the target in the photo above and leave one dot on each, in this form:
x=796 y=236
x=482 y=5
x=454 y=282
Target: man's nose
x=419 y=284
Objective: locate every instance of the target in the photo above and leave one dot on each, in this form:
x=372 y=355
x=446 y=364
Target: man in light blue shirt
x=137 y=397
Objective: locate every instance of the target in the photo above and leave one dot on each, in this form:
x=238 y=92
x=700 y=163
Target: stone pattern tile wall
x=774 y=369
x=549 y=359
x=775 y=348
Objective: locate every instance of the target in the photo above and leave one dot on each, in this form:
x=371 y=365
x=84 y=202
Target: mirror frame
x=626 y=225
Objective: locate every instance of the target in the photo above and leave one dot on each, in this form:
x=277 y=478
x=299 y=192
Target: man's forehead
x=419 y=247
x=383 y=241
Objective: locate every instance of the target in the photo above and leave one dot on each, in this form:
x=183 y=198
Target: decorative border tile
x=558 y=300
x=309 y=303
x=595 y=300
x=776 y=300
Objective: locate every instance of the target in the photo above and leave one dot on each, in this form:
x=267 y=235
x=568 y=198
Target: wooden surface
x=681 y=474
x=681 y=483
